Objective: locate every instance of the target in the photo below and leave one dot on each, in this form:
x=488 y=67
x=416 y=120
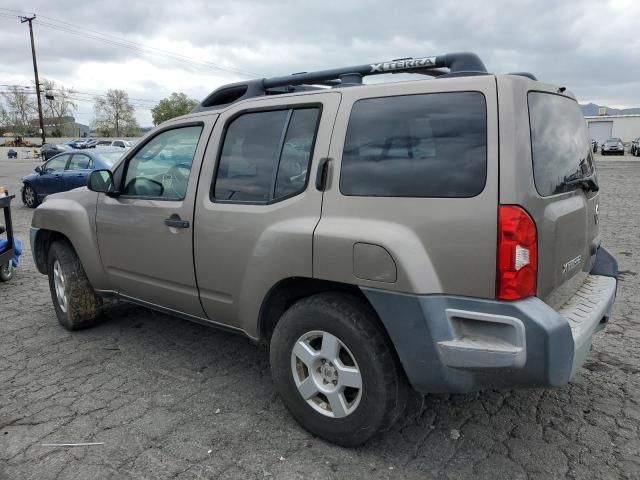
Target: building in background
x=603 y=126
x=62 y=127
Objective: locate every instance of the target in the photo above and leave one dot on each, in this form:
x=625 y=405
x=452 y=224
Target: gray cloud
x=587 y=46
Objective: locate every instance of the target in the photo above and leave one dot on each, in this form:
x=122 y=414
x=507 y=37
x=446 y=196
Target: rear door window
x=560 y=145
x=430 y=145
x=265 y=156
x=79 y=162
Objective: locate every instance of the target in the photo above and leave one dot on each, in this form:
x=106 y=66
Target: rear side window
x=560 y=146
x=79 y=162
x=431 y=145
x=266 y=155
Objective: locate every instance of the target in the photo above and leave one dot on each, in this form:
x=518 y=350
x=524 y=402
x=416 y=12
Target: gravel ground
x=171 y=399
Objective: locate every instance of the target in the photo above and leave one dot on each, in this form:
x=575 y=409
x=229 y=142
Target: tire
x=363 y=350
x=29 y=196
x=76 y=304
x=6 y=271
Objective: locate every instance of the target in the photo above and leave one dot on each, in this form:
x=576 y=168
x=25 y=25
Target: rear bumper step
x=458 y=344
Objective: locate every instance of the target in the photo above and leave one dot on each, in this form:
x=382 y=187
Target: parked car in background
x=12 y=153
x=63 y=172
x=613 y=146
x=50 y=150
x=74 y=143
x=114 y=143
x=91 y=143
x=635 y=147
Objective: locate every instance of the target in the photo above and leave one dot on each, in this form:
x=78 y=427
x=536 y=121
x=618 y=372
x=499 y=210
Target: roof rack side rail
x=457 y=63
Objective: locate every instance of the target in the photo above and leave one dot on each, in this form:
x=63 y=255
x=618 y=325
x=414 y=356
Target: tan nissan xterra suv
x=437 y=233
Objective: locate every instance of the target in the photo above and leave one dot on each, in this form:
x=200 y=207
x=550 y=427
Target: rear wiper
x=588 y=184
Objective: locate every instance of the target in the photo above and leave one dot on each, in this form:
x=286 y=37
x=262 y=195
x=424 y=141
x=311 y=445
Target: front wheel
x=6 y=271
x=76 y=304
x=335 y=370
x=29 y=196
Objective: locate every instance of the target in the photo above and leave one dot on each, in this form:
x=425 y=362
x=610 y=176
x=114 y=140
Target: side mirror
x=38 y=169
x=101 y=181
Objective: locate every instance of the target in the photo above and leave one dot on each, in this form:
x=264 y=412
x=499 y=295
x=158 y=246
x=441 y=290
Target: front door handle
x=176 y=222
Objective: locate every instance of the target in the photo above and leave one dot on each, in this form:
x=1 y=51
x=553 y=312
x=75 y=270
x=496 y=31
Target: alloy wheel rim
x=59 y=284
x=28 y=195
x=326 y=374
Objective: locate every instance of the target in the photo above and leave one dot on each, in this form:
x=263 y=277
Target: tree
x=20 y=108
x=59 y=105
x=115 y=115
x=4 y=120
x=173 y=106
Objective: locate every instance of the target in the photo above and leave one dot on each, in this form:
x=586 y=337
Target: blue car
x=74 y=143
x=65 y=171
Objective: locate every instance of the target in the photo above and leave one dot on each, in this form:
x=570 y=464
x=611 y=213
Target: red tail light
x=517 y=263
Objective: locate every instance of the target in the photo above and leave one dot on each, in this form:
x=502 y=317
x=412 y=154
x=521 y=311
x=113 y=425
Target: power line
x=73 y=92
x=63 y=26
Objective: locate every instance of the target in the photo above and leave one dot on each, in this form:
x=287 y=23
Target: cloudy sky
x=153 y=48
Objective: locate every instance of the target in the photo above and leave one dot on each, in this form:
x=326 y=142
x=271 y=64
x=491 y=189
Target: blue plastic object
x=17 y=249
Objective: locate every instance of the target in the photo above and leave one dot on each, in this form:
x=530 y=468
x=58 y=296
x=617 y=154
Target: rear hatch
x=566 y=213
x=553 y=177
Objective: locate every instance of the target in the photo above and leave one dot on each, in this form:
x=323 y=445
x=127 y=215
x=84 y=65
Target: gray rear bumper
x=458 y=344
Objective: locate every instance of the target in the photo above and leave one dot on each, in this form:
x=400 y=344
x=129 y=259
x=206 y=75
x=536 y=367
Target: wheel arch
x=42 y=243
x=289 y=290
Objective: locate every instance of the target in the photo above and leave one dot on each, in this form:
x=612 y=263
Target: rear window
x=431 y=145
x=560 y=146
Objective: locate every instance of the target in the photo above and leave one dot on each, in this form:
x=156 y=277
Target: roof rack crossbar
x=457 y=63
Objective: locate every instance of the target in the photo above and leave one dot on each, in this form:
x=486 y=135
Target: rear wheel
x=76 y=303
x=29 y=196
x=6 y=271
x=335 y=370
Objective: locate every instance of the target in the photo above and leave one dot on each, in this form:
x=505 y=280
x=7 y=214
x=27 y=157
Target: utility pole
x=35 y=72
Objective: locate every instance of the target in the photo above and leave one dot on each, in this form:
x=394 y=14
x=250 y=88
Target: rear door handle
x=175 y=222
x=322 y=176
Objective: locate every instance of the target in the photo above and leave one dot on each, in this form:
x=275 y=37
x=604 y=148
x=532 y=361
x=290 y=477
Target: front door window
x=161 y=168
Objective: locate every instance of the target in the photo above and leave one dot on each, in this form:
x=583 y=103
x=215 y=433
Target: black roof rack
x=458 y=64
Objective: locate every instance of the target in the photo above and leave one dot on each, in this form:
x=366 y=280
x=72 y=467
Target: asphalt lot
x=172 y=399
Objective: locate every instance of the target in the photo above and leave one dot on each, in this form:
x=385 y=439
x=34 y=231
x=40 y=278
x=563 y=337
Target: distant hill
x=592 y=109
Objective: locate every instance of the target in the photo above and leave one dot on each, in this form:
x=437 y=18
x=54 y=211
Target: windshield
x=560 y=146
x=110 y=158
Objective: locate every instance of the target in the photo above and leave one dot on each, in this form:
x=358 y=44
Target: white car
x=114 y=143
